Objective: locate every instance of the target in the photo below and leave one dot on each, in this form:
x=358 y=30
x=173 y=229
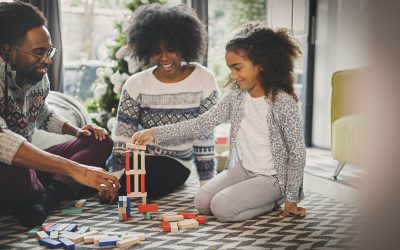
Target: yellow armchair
x=345 y=118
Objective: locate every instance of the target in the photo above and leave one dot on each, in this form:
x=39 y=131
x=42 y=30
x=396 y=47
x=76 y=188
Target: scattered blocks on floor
x=173 y=222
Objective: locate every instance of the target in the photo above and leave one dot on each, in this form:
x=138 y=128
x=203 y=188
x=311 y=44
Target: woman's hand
x=144 y=137
x=97 y=178
x=99 y=133
x=291 y=207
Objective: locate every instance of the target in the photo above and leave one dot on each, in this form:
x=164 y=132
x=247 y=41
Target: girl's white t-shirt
x=253 y=137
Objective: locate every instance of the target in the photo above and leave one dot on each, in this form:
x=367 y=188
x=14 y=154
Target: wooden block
x=148 y=216
x=174 y=227
x=105 y=239
x=83 y=229
x=50 y=243
x=80 y=203
x=127 y=168
x=41 y=235
x=71 y=228
x=76 y=238
x=125 y=243
x=141 y=236
x=108 y=241
x=135 y=147
x=161 y=216
x=187 y=215
x=33 y=231
x=90 y=238
x=185 y=224
x=54 y=234
x=61 y=227
x=145 y=208
x=52 y=228
x=133 y=172
x=137 y=195
x=173 y=218
x=68 y=244
x=46 y=226
x=201 y=220
x=166 y=226
x=71 y=210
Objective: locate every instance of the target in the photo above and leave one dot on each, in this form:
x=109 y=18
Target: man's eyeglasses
x=41 y=57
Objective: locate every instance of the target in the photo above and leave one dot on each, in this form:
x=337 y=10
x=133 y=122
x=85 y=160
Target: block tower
x=137 y=151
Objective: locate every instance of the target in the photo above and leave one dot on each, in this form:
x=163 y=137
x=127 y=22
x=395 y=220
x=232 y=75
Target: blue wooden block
x=71 y=227
x=68 y=244
x=107 y=243
x=50 y=243
x=50 y=229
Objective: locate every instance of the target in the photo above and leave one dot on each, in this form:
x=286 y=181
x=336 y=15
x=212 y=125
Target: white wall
x=341 y=43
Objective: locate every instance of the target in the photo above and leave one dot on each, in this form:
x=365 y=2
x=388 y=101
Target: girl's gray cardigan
x=285 y=130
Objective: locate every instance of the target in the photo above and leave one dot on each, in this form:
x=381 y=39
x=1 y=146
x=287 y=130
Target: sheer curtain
x=51 y=10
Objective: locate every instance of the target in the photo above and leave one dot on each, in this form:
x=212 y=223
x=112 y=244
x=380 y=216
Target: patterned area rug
x=320 y=163
x=328 y=224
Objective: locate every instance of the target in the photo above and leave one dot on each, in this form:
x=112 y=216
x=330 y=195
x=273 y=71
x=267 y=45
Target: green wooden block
x=71 y=210
x=33 y=231
x=148 y=216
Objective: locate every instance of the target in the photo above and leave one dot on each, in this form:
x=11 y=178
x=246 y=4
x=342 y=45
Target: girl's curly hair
x=275 y=51
x=177 y=26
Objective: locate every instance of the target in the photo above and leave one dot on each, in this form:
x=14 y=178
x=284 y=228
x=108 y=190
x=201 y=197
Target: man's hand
x=108 y=196
x=99 y=133
x=144 y=137
x=291 y=207
x=97 y=178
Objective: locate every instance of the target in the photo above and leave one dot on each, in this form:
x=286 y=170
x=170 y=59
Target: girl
x=175 y=89
x=267 y=150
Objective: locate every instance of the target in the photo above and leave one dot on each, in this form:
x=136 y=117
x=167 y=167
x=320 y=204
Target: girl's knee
x=202 y=201
x=223 y=209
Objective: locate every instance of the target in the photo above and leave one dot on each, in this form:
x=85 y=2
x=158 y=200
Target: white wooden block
x=141 y=236
x=76 y=238
x=61 y=227
x=128 y=242
x=174 y=227
x=135 y=147
x=90 y=238
x=191 y=223
x=173 y=218
x=161 y=216
x=54 y=234
x=133 y=172
x=41 y=235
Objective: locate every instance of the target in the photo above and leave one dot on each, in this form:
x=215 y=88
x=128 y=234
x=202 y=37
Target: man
x=32 y=181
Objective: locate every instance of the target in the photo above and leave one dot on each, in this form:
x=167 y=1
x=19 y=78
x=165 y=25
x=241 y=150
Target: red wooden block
x=187 y=215
x=127 y=168
x=201 y=220
x=46 y=226
x=124 y=216
x=148 y=208
x=166 y=226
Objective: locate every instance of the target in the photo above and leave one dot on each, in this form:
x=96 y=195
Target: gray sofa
x=65 y=106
